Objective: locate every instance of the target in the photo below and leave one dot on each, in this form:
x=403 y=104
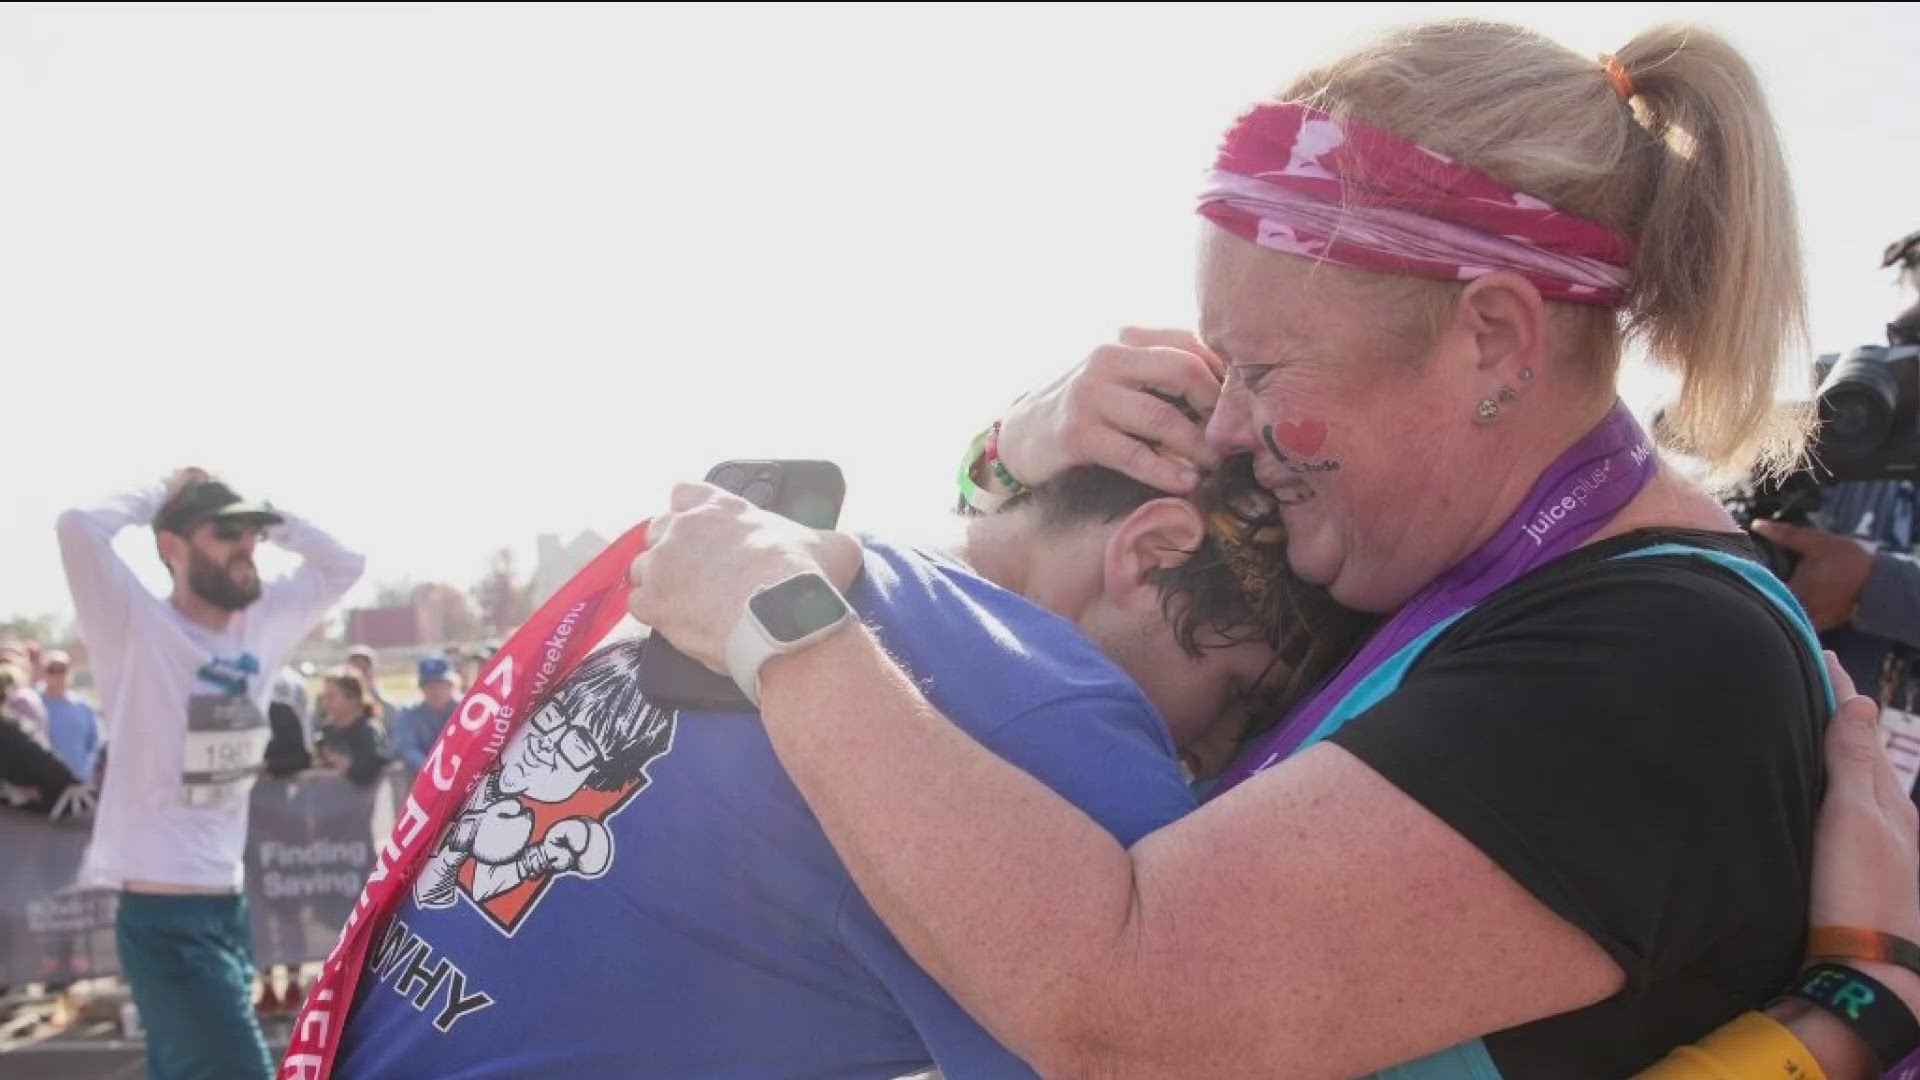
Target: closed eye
x=1253 y=375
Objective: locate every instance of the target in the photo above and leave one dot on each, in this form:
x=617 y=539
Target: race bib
x=1900 y=734
x=226 y=739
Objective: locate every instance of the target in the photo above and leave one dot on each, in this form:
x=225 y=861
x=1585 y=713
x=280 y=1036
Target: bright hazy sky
x=443 y=278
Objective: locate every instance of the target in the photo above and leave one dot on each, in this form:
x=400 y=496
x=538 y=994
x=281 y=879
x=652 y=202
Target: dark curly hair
x=1235 y=587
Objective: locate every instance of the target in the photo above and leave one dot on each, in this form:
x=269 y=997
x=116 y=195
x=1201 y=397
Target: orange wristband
x=1849 y=943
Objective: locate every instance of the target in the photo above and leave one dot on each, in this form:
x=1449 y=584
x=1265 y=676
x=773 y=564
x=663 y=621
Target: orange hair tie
x=1622 y=82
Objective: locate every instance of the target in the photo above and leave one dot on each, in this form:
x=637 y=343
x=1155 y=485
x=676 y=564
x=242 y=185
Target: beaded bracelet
x=984 y=494
x=999 y=467
x=972 y=499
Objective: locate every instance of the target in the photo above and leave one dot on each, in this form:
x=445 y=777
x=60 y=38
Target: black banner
x=310 y=846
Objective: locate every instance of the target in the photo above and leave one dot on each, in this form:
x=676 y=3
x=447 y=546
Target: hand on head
x=184 y=477
x=1102 y=413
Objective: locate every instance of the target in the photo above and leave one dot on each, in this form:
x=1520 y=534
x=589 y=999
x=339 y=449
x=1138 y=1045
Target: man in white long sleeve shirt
x=184 y=683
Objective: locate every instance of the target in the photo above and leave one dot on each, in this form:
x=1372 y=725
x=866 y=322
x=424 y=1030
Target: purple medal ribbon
x=1581 y=491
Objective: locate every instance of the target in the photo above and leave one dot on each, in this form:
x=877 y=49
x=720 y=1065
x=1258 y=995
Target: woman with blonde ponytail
x=1557 y=816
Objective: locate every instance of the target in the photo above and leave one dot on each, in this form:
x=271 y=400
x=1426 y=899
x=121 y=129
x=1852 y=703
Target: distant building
x=435 y=614
x=383 y=627
x=557 y=561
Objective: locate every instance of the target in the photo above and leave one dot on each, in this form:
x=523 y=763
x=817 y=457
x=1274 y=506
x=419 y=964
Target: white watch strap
x=747 y=649
x=749 y=646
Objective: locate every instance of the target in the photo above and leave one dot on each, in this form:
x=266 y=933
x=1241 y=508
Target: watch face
x=797 y=607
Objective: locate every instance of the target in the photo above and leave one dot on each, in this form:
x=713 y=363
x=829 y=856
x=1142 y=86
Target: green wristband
x=972 y=499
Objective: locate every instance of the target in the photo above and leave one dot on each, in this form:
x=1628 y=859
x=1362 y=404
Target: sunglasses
x=56 y=669
x=229 y=531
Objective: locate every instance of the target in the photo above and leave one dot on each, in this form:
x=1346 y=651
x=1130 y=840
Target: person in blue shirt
x=73 y=732
x=412 y=730
x=630 y=892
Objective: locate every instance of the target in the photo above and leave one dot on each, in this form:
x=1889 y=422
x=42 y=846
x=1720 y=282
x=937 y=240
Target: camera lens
x=1856 y=407
x=759 y=491
x=729 y=478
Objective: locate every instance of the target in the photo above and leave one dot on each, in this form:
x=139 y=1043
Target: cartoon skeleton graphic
x=587 y=749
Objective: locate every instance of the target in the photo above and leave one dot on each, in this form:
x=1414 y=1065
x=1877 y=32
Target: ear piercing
x=1489 y=408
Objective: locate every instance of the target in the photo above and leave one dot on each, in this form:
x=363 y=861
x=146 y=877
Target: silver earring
x=1526 y=374
x=1506 y=393
x=1489 y=410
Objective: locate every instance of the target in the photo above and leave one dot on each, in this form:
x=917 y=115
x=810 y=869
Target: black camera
x=1791 y=499
x=1869 y=429
x=1869 y=400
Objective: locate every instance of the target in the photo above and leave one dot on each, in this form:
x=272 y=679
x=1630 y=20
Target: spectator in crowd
x=32 y=777
x=23 y=704
x=13 y=674
x=468 y=661
x=184 y=684
x=351 y=741
x=414 y=728
x=456 y=658
x=290 y=688
x=363 y=660
x=73 y=732
x=286 y=716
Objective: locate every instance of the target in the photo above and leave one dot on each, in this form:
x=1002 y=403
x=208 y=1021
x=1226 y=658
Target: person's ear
x=1506 y=320
x=1157 y=535
x=173 y=547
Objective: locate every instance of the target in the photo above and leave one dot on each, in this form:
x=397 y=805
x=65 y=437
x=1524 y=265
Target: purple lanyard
x=1574 y=497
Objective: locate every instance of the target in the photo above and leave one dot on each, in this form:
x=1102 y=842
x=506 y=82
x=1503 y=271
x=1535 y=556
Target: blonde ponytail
x=1689 y=166
x=1718 y=290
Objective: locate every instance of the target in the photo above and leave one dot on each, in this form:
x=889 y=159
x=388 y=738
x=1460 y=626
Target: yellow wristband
x=1754 y=1046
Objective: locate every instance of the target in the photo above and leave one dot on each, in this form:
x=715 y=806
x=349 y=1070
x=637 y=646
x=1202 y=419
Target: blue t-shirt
x=412 y=731
x=74 y=734
x=638 y=893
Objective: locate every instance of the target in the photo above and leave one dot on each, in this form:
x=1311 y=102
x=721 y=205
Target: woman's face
x=1356 y=432
x=336 y=705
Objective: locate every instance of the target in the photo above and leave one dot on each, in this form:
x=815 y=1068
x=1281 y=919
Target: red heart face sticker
x=1302 y=437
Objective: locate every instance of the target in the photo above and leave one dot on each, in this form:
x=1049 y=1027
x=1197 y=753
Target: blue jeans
x=189 y=960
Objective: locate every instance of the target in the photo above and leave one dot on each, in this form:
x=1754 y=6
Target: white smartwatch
x=781 y=619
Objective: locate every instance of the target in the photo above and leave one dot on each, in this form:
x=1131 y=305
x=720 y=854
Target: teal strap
x=1379 y=682
x=1469 y=1060
x=1766 y=584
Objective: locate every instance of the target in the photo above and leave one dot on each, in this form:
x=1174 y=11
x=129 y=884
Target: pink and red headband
x=1293 y=179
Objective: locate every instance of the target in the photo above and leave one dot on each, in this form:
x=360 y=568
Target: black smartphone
x=809 y=492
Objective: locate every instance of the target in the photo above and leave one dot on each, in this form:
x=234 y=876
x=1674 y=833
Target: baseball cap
x=207 y=500
x=56 y=658
x=435 y=669
x=360 y=652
